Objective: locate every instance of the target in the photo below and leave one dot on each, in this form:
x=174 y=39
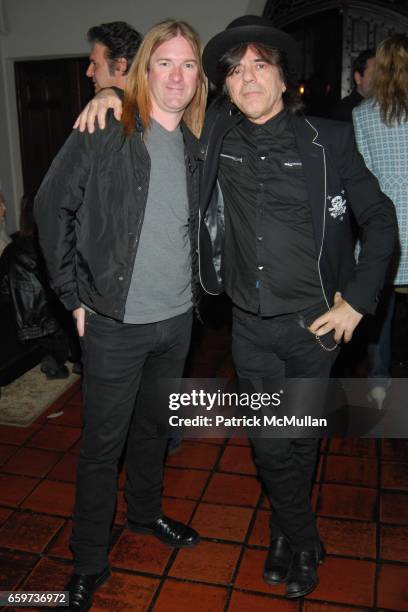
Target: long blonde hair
x=137 y=94
x=390 y=79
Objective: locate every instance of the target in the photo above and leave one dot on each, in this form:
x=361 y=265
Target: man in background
x=113 y=47
x=362 y=73
x=4 y=237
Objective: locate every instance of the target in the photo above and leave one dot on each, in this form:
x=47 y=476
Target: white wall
x=34 y=29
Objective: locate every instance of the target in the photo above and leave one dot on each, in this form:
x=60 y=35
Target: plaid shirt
x=385 y=151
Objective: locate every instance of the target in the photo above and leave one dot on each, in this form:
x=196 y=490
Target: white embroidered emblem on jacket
x=338 y=205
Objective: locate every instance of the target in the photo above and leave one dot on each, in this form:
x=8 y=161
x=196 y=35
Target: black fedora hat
x=246 y=29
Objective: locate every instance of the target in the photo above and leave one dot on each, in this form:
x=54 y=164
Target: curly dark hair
x=120 y=38
x=360 y=63
x=291 y=97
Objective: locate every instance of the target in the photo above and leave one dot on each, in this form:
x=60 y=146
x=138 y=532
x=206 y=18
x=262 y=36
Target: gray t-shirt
x=161 y=281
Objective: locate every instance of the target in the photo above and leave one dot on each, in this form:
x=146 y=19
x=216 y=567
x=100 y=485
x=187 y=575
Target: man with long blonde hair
x=117 y=215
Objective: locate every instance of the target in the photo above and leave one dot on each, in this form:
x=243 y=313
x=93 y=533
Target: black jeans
x=265 y=351
x=122 y=364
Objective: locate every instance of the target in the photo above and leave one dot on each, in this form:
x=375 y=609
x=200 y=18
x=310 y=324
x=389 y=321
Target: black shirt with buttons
x=271 y=258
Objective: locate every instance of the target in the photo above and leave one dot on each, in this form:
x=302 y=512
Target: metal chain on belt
x=324 y=347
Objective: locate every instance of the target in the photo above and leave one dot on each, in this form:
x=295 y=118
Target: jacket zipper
x=238 y=159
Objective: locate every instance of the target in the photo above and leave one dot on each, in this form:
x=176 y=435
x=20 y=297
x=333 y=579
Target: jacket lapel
x=217 y=123
x=313 y=158
x=191 y=146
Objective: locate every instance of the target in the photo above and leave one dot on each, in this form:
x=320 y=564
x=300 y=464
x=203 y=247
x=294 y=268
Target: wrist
x=357 y=308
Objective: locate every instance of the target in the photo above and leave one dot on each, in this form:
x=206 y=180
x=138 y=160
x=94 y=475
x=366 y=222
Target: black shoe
x=52 y=369
x=167 y=530
x=81 y=588
x=302 y=577
x=278 y=561
x=77 y=368
x=58 y=373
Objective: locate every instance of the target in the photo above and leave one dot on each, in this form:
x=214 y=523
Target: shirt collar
x=273 y=127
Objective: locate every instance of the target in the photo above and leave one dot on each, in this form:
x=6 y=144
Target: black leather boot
x=302 y=577
x=278 y=561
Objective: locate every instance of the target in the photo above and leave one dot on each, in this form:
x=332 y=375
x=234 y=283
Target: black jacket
x=343 y=110
x=90 y=210
x=23 y=279
x=338 y=184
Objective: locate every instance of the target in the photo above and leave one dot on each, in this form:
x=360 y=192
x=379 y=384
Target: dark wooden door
x=50 y=94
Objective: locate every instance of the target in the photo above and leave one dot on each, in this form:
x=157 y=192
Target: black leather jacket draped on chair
x=23 y=280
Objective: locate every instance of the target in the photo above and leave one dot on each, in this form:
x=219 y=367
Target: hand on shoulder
x=96 y=110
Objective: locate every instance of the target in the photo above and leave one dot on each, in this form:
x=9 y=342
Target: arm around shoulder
x=96 y=109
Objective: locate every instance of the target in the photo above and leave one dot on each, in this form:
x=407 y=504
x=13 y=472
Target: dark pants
x=379 y=329
x=265 y=351
x=122 y=365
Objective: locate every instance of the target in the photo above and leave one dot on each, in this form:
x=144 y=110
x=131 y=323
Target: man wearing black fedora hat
x=278 y=191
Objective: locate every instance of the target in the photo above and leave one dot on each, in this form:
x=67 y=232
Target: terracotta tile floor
x=361 y=497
